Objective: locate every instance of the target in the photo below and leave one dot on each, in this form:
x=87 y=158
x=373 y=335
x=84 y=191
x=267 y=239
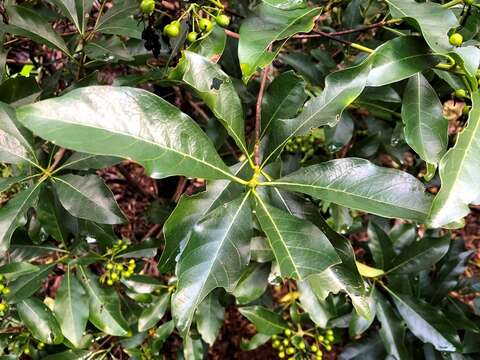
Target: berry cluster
x=306 y=145
x=114 y=270
x=23 y=343
x=4 y=290
x=291 y=344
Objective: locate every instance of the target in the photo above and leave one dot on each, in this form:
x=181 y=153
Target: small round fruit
x=26 y=351
x=460 y=93
x=6 y=291
x=466 y=110
x=205 y=25
x=222 y=20
x=320 y=338
x=329 y=332
x=328 y=347
x=114 y=276
x=288 y=332
x=119 y=267
x=286 y=342
x=274 y=337
x=3 y=307
x=469 y=2
x=109 y=266
x=281 y=355
x=1 y=277
x=330 y=338
x=192 y=37
x=276 y=344
x=314 y=348
x=147 y=6
x=40 y=345
x=290 y=351
x=456 y=39
x=301 y=345
x=131 y=262
x=109 y=282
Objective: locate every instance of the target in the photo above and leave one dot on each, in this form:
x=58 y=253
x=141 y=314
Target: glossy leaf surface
x=128 y=123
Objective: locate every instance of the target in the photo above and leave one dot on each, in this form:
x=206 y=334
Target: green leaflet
x=38 y=318
x=433 y=20
x=358 y=184
x=105 y=311
x=426 y=130
x=119 y=20
x=300 y=248
x=87 y=197
x=71 y=308
x=283 y=99
x=392 y=331
x=269 y=24
x=216 y=89
x=129 y=123
x=189 y=210
x=427 y=323
x=459 y=174
x=24 y=21
x=12 y=214
x=393 y=61
x=209 y=317
x=76 y=11
x=14 y=148
x=265 y=320
x=224 y=233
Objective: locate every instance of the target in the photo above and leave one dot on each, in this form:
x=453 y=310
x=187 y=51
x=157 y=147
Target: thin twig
x=258 y=114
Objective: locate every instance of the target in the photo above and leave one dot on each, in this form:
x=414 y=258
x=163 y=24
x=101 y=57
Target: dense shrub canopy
x=310 y=165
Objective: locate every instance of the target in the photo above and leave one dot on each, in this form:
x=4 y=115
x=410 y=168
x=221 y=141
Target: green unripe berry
x=291 y=358
x=328 y=347
x=222 y=20
x=314 y=348
x=290 y=351
x=288 y=332
x=26 y=351
x=192 y=37
x=109 y=266
x=329 y=332
x=1 y=277
x=124 y=246
x=320 y=338
x=319 y=352
x=114 y=276
x=276 y=344
x=147 y=6
x=205 y=25
x=301 y=345
x=109 y=282
x=6 y=291
x=281 y=355
x=2 y=287
x=40 y=345
x=286 y=342
x=460 y=93
x=3 y=307
x=274 y=337
x=469 y=2
x=119 y=267
x=466 y=110
x=330 y=338
x=132 y=262
x=456 y=39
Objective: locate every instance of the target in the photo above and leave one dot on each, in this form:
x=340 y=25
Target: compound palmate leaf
x=129 y=123
x=215 y=255
x=300 y=248
x=459 y=173
x=359 y=184
x=269 y=24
